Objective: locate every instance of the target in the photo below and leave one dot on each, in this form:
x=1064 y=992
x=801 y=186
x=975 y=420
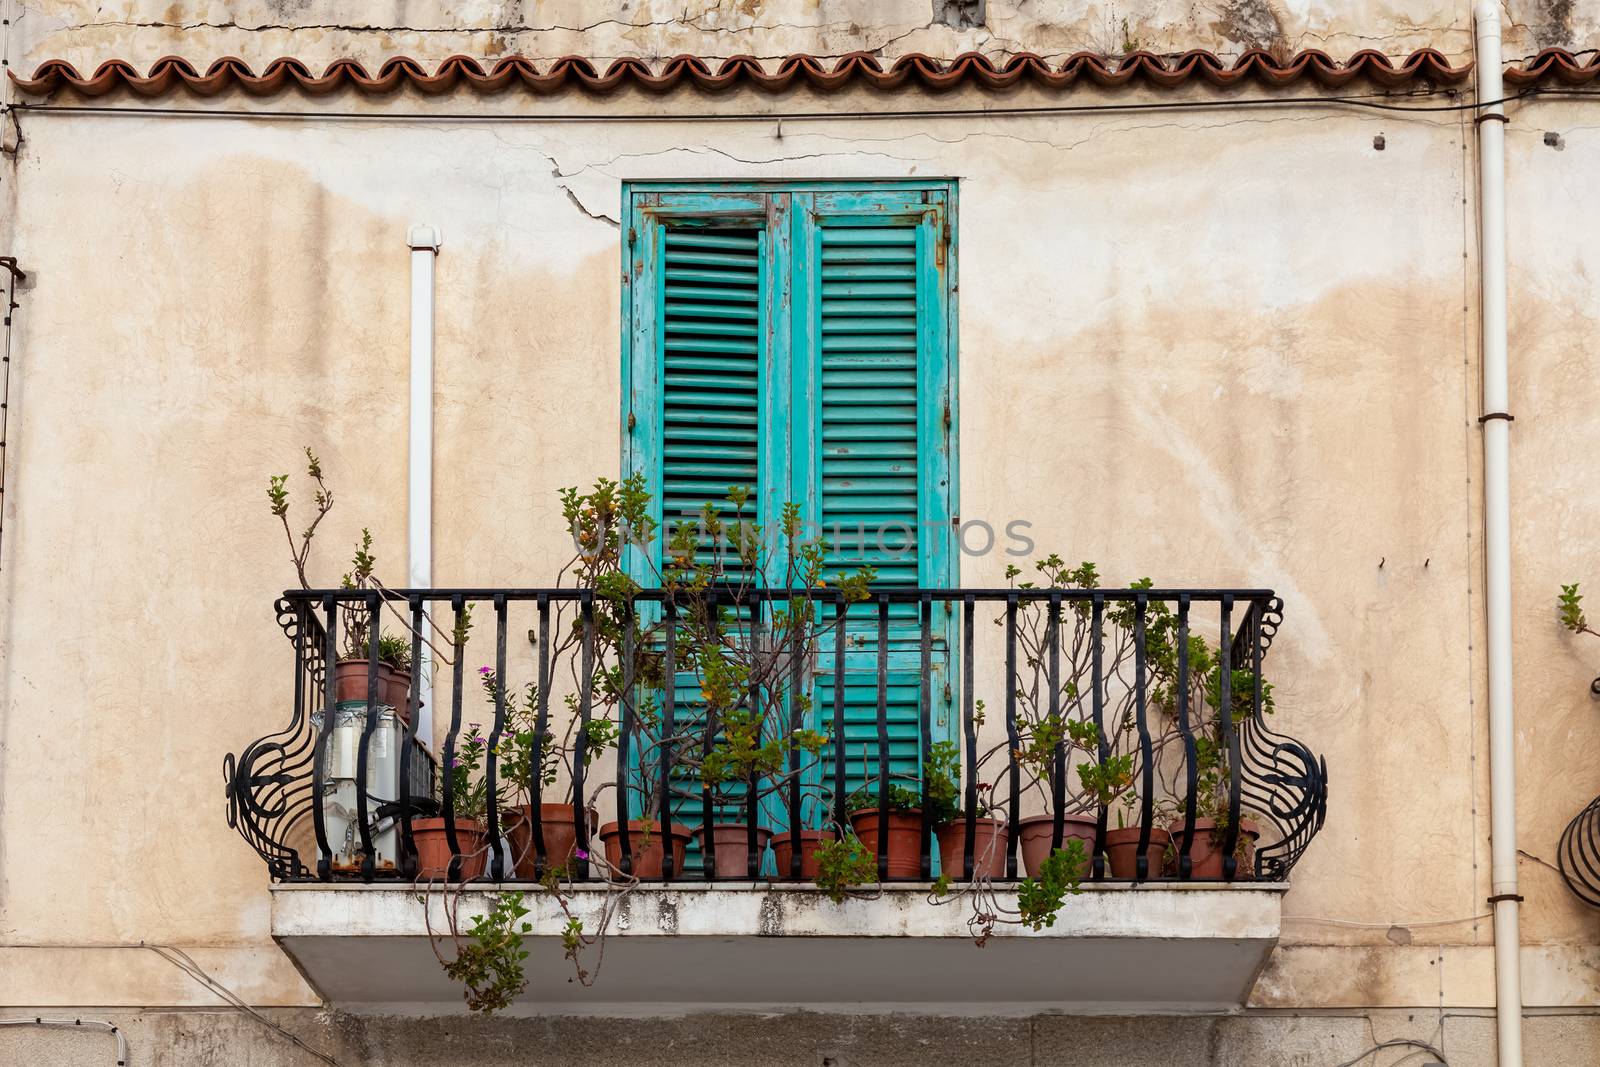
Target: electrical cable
x=181 y=960
x=68 y=1024
x=1399 y=1042
x=1388 y=925
x=1375 y=102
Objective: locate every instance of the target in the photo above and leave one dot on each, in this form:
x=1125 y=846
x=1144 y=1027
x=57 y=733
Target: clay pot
x=732 y=840
x=905 y=839
x=433 y=848
x=991 y=843
x=783 y=853
x=1122 y=847
x=558 y=823
x=644 y=855
x=394 y=689
x=1035 y=831
x=1205 y=852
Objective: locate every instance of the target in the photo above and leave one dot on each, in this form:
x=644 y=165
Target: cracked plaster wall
x=1233 y=348
x=87 y=32
x=1221 y=348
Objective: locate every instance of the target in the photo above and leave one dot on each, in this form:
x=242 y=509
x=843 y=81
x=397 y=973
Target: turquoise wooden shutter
x=700 y=279
x=872 y=447
x=797 y=340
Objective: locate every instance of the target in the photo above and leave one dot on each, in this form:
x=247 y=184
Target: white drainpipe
x=424 y=241
x=1496 y=425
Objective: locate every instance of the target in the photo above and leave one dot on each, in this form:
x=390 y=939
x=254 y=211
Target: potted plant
x=811 y=842
x=1206 y=846
x=744 y=742
x=1213 y=774
x=902 y=844
x=1059 y=731
x=991 y=837
x=353 y=665
x=1122 y=843
x=544 y=839
x=351 y=671
x=468 y=805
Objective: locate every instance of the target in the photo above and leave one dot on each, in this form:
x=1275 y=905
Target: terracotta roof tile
x=1556 y=63
x=915 y=70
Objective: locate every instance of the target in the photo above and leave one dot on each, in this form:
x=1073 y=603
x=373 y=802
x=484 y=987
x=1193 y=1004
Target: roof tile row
x=915 y=70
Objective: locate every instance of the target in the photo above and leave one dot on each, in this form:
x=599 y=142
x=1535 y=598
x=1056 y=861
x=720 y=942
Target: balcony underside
x=672 y=948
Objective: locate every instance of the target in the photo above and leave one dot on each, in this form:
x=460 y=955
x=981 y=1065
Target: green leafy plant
x=749 y=718
x=843 y=864
x=1055 y=695
x=393 y=649
x=489 y=961
x=1060 y=875
x=1570 y=603
x=902 y=801
x=464 y=778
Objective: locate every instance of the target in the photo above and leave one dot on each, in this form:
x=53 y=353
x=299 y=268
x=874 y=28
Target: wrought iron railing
x=1097 y=678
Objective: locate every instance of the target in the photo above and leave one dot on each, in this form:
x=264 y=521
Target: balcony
x=1044 y=770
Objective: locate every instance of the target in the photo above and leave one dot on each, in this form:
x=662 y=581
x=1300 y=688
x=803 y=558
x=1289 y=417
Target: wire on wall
x=49 y=1023
x=13 y=275
x=185 y=963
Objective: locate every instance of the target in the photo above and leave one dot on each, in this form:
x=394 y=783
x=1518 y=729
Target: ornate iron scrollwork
x=268 y=785
x=1578 y=854
x=1282 y=781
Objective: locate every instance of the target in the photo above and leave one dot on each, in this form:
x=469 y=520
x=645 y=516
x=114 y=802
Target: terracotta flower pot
x=1122 y=846
x=905 y=839
x=1205 y=852
x=433 y=848
x=350 y=683
x=559 y=825
x=645 y=852
x=783 y=853
x=732 y=840
x=395 y=687
x=991 y=843
x=1035 y=831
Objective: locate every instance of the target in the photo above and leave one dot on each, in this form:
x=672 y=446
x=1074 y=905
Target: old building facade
x=1196 y=292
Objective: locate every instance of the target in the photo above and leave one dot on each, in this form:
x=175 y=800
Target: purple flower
x=485 y=670
x=454 y=762
x=582 y=854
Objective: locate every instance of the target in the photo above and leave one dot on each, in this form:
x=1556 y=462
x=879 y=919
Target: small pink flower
x=485 y=670
x=582 y=854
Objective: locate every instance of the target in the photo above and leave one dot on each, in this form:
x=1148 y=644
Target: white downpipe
x=1497 y=535
x=424 y=241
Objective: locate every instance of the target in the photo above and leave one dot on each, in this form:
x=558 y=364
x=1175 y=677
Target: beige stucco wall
x=1221 y=347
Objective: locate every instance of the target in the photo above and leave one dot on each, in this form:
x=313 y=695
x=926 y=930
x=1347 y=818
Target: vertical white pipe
x=424 y=242
x=1497 y=535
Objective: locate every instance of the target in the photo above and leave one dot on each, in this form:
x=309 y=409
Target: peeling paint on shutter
x=872 y=366
x=711 y=362
x=711 y=416
x=795 y=339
